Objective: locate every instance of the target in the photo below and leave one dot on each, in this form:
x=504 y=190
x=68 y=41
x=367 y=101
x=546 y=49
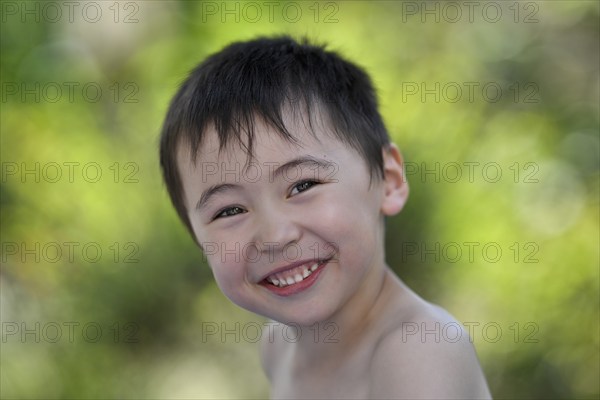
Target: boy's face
x=298 y=234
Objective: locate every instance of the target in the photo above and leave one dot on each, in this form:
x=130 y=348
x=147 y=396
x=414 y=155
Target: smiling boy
x=275 y=156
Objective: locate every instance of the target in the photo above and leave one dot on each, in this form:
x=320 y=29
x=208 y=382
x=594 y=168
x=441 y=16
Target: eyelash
x=241 y=210
x=227 y=210
x=304 y=182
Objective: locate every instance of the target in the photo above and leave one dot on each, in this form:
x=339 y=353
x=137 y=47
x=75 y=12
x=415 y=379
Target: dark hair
x=259 y=78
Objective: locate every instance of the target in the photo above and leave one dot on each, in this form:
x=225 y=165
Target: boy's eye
x=302 y=186
x=228 y=212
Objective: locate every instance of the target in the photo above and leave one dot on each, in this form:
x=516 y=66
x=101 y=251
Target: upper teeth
x=293 y=276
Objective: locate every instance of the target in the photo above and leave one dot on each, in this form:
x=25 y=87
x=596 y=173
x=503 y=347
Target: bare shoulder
x=429 y=355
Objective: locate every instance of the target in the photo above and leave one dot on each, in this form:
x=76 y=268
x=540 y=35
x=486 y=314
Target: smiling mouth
x=294 y=275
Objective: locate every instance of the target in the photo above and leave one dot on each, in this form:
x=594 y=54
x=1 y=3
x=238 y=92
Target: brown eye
x=303 y=186
x=229 y=212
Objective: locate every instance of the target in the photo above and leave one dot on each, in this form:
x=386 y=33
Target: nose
x=276 y=228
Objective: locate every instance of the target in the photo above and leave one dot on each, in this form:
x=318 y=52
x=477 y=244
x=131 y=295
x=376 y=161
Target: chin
x=306 y=317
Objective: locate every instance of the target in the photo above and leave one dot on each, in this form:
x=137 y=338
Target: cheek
x=227 y=254
x=347 y=208
x=348 y=220
x=228 y=272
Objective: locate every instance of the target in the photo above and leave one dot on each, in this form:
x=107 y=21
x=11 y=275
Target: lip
x=296 y=287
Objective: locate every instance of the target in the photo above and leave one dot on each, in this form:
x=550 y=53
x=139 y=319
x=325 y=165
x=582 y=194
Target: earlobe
x=395 y=183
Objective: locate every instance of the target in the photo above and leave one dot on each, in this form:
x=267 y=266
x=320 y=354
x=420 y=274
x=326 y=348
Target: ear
x=395 y=184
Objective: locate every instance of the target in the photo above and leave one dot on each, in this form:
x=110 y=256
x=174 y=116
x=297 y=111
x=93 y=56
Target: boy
x=279 y=164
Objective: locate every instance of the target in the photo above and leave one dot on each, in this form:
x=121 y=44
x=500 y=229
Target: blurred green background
x=493 y=104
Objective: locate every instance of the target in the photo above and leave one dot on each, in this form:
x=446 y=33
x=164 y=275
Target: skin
x=357 y=320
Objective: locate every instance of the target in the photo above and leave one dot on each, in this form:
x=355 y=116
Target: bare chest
x=327 y=385
x=346 y=378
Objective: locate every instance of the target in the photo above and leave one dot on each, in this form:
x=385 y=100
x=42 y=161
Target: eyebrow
x=211 y=191
x=302 y=161
x=294 y=163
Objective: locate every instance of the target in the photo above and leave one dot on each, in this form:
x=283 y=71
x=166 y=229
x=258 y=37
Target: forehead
x=314 y=137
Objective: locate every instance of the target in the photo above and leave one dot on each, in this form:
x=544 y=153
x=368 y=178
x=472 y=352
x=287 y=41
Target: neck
x=344 y=331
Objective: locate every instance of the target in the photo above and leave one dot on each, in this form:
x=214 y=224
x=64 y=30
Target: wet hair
x=261 y=78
